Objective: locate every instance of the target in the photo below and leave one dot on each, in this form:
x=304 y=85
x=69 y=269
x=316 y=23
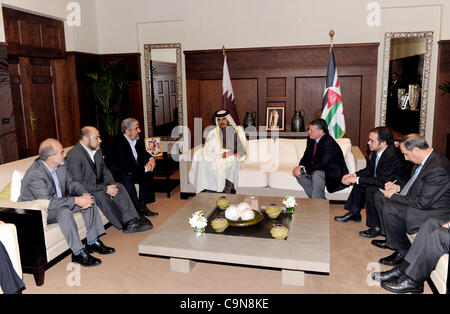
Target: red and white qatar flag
x=228 y=101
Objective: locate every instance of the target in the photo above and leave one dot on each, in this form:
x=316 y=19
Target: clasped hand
x=112 y=190
x=349 y=179
x=150 y=166
x=85 y=201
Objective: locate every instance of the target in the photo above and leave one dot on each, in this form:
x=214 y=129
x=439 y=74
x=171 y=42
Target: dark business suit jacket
x=388 y=169
x=38 y=184
x=121 y=159
x=96 y=177
x=329 y=158
x=429 y=196
x=93 y=176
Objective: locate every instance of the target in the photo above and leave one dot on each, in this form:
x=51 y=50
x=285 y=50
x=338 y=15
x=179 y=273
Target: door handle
x=33 y=121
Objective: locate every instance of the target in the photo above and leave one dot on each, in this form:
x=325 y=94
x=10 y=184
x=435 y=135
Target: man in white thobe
x=216 y=166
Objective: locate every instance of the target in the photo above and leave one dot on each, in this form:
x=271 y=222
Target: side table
x=165 y=167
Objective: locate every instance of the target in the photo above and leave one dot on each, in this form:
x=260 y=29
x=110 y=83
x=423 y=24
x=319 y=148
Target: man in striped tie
x=426 y=195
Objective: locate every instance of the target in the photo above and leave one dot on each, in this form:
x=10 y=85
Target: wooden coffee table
x=307 y=249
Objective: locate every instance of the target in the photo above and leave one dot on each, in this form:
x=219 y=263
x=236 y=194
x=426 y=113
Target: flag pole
x=332 y=33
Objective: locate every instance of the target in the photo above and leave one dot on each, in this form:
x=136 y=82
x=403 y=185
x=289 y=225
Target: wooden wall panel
x=441 y=128
x=290 y=76
x=8 y=139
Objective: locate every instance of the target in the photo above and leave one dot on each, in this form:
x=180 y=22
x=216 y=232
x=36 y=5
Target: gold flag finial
x=223 y=51
x=332 y=33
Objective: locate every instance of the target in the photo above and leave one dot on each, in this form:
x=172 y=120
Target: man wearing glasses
x=384 y=166
x=48 y=178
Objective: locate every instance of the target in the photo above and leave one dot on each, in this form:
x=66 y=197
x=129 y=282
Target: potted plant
x=445 y=88
x=109 y=87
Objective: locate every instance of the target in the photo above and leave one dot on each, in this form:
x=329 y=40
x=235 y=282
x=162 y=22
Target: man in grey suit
x=86 y=165
x=426 y=195
x=48 y=178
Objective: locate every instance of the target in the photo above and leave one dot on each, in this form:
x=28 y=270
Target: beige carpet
x=353 y=259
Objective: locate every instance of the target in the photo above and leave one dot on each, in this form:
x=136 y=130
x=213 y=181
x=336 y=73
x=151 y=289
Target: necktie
x=376 y=165
x=314 y=152
x=408 y=185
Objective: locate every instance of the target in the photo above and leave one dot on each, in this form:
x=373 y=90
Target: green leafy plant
x=109 y=87
x=445 y=88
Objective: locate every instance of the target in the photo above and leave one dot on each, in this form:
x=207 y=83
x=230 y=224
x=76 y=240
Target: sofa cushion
x=282 y=178
x=259 y=151
x=345 y=144
x=252 y=175
x=285 y=152
x=5 y=194
x=16 y=182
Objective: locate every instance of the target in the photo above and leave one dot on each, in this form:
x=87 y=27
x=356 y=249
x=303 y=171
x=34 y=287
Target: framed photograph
x=276 y=118
x=153 y=146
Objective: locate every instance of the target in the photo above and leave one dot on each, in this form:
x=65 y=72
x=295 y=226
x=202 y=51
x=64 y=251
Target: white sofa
x=268 y=168
x=46 y=245
x=8 y=237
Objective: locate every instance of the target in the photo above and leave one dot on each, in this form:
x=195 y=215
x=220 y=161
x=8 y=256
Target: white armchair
x=8 y=236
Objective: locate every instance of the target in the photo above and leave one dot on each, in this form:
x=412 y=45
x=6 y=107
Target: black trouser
x=146 y=190
x=9 y=280
x=361 y=195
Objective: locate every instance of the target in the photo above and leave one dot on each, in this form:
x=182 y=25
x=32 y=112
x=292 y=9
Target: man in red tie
x=323 y=163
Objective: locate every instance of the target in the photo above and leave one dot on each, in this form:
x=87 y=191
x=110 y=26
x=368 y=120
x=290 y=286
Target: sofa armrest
x=41 y=205
x=360 y=159
x=185 y=166
x=8 y=237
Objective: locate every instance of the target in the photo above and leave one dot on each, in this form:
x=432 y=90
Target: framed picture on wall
x=275 y=118
x=153 y=146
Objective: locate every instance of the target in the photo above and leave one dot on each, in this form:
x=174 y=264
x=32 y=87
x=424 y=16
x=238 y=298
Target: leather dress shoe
x=147 y=212
x=100 y=248
x=379 y=243
x=137 y=225
x=404 y=284
x=372 y=232
x=395 y=258
x=85 y=259
x=348 y=217
x=389 y=275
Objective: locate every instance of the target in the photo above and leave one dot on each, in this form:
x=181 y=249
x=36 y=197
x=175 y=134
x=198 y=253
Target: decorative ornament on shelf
x=290 y=203
x=198 y=221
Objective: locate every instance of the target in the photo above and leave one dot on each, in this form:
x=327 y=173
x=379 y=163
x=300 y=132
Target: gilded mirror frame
x=428 y=35
x=148 y=87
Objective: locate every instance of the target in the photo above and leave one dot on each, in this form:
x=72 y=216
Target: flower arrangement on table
x=290 y=203
x=198 y=221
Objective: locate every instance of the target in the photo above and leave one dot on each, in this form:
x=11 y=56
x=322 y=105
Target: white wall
x=209 y=24
x=123 y=26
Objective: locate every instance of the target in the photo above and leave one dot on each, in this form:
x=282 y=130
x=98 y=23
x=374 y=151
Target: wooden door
x=33 y=93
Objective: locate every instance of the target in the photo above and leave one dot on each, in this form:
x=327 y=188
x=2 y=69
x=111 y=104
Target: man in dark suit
x=48 y=178
x=384 y=166
x=86 y=165
x=130 y=163
x=323 y=163
x=426 y=195
x=431 y=242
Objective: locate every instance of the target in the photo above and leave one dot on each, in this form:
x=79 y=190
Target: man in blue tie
x=426 y=195
x=384 y=166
